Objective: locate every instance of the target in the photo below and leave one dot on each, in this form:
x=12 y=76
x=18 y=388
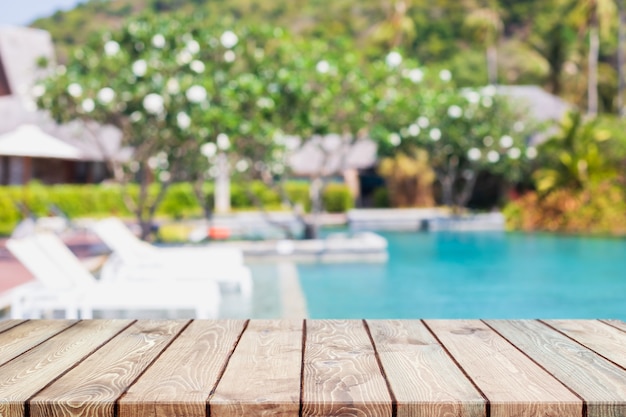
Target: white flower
x=193 y=47
x=208 y=149
x=172 y=86
x=111 y=48
x=488 y=141
x=506 y=141
x=153 y=103
x=278 y=168
x=393 y=59
x=61 y=70
x=134 y=166
x=514 y=153
x=229 y=56
x=493 y=156
x=531 y=152
x=88 y=105
x=196 y=94
x=455 y=111
x=106 y=95
x=242 y=165
x=487 y=101
x=474 y=154
x=75 y=90
x=158 y=41
x=423 y=122
x=229 y=39
x=414 y=130
x=435 y=134
x=416 y=75
x=197 y=66
x=265 y=103
x=445 y=75
x=184 y=57
x=223 y=143
x=472 y=97
x=322 y=67
x=38 y=90
x=395 y=139
x=136 y=117
x=165 y=176
x=140 y=67
x=153 y=163
x=518 y=126
x=183 y=120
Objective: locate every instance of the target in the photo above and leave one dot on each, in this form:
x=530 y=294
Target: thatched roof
x=331 y=154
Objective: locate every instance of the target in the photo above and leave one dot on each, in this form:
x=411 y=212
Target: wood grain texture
x=341 y=374
x=513 y=384
x=99 y=381
x=23 y=377
x=263 y=375
x=8 y=324
x=181 y=380
x=597 y=336
x=600 y=383
x=425 y=380
x=19 y=339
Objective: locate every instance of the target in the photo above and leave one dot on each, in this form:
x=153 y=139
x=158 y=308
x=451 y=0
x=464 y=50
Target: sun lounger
x=134 y=259
x=63 y=283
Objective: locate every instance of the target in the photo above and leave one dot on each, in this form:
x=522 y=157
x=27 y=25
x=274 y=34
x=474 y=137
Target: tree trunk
x=592 y=77
x=311 y=229
x=492 y=64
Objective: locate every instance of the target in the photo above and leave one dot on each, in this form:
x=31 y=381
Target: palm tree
x=621 y=59
x=594 y=17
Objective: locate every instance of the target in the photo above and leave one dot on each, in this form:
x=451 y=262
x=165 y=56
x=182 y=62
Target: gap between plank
x=445 y=349
x=19 y=323
x=609 y=324
x=27 y=402
x=223 y=370
x=40 y=343
x=394 y=401
x=302 y=368
x=584 y=411
x=116 y=404
x=582 y=344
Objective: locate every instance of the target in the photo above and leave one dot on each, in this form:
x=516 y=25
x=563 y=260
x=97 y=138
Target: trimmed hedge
x=179 y=202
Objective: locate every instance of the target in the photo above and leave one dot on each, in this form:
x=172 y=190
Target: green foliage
x=574 y=158
x=337 y=198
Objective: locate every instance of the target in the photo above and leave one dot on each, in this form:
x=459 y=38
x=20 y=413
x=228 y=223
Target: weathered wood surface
x=416 y=368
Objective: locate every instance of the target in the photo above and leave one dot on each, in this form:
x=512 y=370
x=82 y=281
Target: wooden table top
x=429 y=368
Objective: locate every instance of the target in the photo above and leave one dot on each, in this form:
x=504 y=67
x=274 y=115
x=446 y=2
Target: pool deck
x=429 y=368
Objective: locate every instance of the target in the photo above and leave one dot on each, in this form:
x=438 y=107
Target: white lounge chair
x=65 y=284
x=134 y=259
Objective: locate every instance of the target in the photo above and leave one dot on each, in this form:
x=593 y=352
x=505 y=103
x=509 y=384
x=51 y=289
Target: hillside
x=536 y=44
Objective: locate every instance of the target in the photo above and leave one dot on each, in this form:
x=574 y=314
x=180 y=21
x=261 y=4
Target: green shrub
x=298 y=193
x=179 y=201
x=337 y=198
x=380 y=198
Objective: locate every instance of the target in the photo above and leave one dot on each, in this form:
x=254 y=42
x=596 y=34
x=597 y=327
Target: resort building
x=32 y=145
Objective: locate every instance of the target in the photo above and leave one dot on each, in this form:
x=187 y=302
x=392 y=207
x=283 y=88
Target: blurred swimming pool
x=475 y=275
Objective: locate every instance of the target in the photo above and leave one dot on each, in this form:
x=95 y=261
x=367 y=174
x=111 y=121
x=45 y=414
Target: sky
x=23 y=12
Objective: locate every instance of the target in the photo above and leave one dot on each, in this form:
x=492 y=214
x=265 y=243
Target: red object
x=219 y=233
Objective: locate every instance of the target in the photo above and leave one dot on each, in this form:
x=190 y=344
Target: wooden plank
x=8 y=324
x=424 y=379
x=181 y=380
x=341 y=376
x=597 y=336
x=600 y=383
x=513 y=384
x=617 y=324
x=98 y=381
x=19 y=339
x=263 y=375
x=23 y=377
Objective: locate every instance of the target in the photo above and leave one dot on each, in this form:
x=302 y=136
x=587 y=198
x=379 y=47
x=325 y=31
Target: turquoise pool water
x=475 y=275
